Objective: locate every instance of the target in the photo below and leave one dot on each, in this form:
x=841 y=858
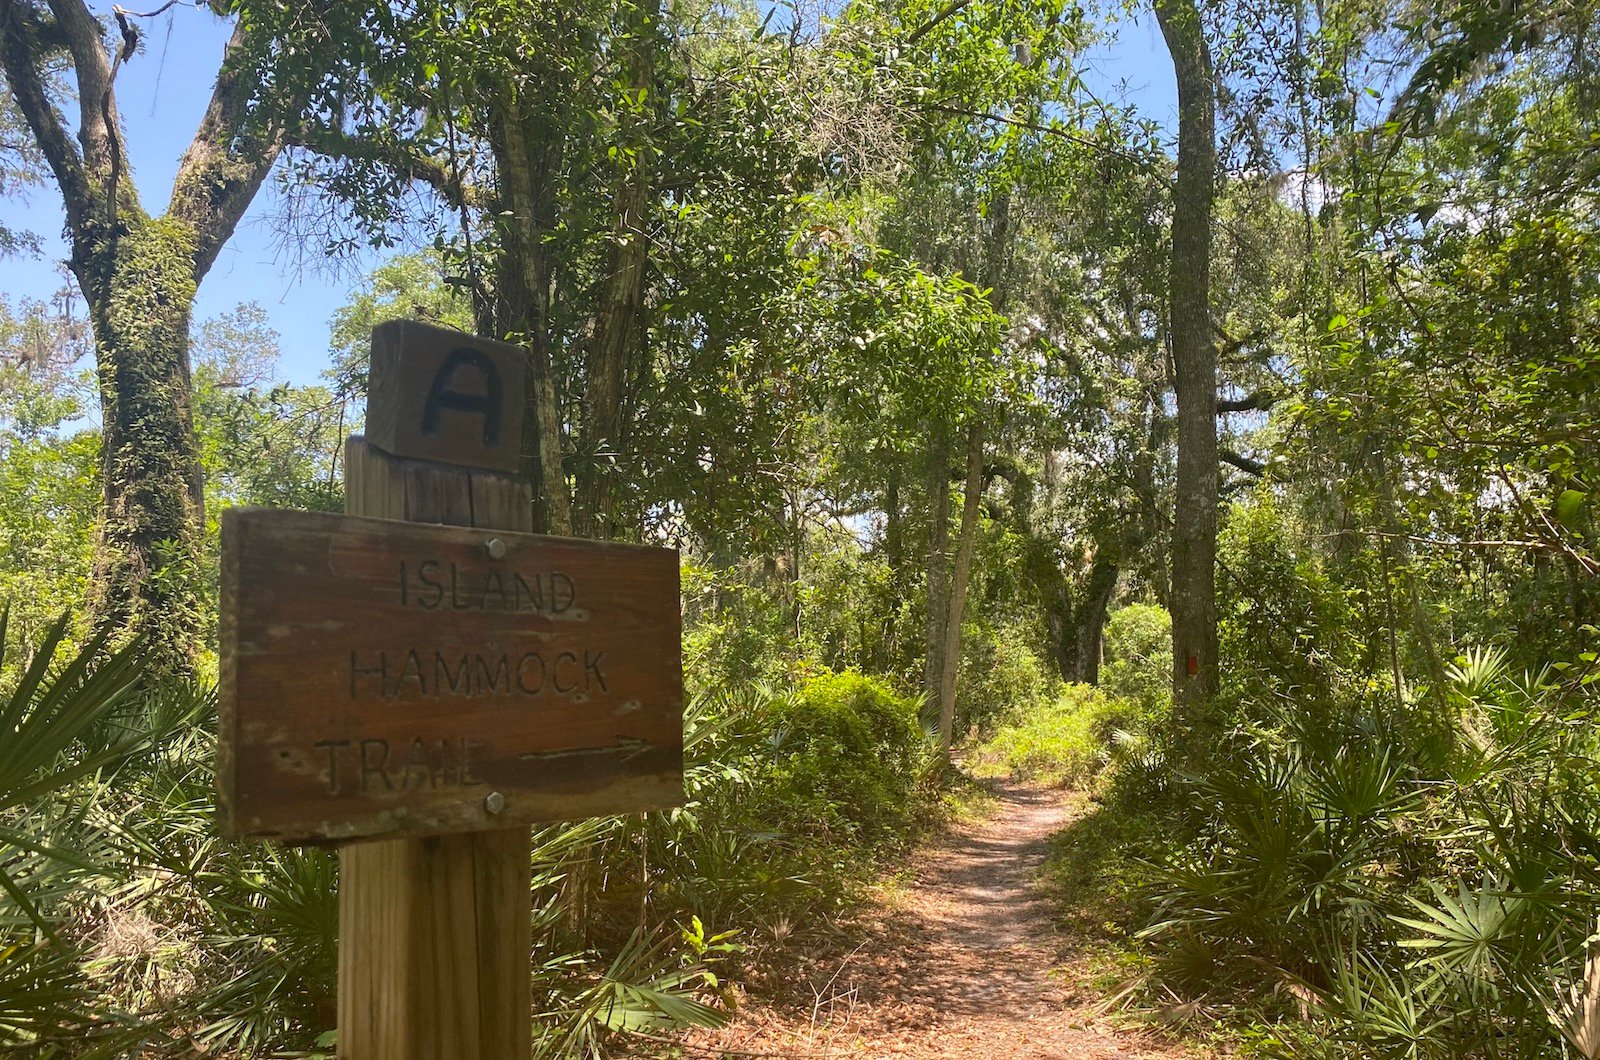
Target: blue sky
x=163 y=91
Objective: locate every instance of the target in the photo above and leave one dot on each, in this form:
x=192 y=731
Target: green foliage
x=1066 y=742
x=1285 y=626
x=736 y=631
x=914 y=345
x=847 y=756
x=1138 y=662
x=645 y=989
x=1002 y=678
x=49 y=483
x=75 y=720
x=48 y=493
x=262 y=442
x=852 y=615
x=1386 y=838
x=406 y=287
x=1427 y=900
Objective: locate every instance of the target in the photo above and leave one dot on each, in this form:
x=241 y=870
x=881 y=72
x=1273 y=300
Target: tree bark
x=1076 y=616
x=146 y=576
x=1092 y=609
x=893 y=523
x=525 y=155
x=951 y=656
x=139 y=275
x=618 y=333
x=938 y=581
x=528 y=124
x=1058 y=622
x=1194 y=532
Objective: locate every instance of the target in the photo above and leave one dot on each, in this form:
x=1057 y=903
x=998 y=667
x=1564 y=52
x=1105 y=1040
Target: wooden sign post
x=434 y=689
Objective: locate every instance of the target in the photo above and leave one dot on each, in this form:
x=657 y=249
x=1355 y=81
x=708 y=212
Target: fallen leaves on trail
x=957 y=965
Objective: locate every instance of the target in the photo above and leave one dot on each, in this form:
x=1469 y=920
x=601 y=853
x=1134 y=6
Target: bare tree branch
x=108 y=115
x=163 y=9
x=1258 y=401
x=1529 y=544
x=24 y=38
x=1242 y=462
x=85 y=39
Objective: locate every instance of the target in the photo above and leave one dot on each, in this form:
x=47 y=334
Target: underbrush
x=1358 y=863
x=128 y=927
x=1065 y=743
x=795 y=799
x=1372 y=887
x=1098 y=871
x=1073 y=738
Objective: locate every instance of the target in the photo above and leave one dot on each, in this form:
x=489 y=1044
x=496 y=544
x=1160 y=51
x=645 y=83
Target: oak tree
x=138 y=269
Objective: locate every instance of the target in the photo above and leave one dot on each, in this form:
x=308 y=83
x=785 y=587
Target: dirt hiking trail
x=957 y=965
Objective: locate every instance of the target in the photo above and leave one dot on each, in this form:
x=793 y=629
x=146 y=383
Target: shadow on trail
x=956 y=964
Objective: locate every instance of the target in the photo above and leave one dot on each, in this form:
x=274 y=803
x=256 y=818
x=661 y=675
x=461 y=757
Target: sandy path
x=957 y=965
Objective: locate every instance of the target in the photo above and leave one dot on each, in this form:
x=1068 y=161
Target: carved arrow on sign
x=627 y=747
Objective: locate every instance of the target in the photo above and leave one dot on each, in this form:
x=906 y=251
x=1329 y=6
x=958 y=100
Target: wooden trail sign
x=386 y=678
x=432 y=670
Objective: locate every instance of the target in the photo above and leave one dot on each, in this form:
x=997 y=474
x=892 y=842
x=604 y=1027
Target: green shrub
x=1285 y=627
x=735 y=632
x=847 y=757
x=1138 y=664
x=792 y=799
x=1431 y=901
x=80 y=725
x=1002 y=678
x=854 y=612
x=1067 y=742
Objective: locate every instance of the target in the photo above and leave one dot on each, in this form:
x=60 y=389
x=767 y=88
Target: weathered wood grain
x=393 y=678
x=435 y=942
x=435 y=935
x=437 y=394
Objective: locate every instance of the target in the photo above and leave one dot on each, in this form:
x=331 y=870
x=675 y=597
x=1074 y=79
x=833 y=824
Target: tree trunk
x=140 y=291
x=1077 y=628
x=1090 y=634
x=938 y=584
x=525 y=180
x=1194 y=530
x=1058 y=620
x=618 y=332
x=893 y=525
x=1148 y=527
x=616 y=344
x=951 y=661
x=554 y=507
x=139 y=275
